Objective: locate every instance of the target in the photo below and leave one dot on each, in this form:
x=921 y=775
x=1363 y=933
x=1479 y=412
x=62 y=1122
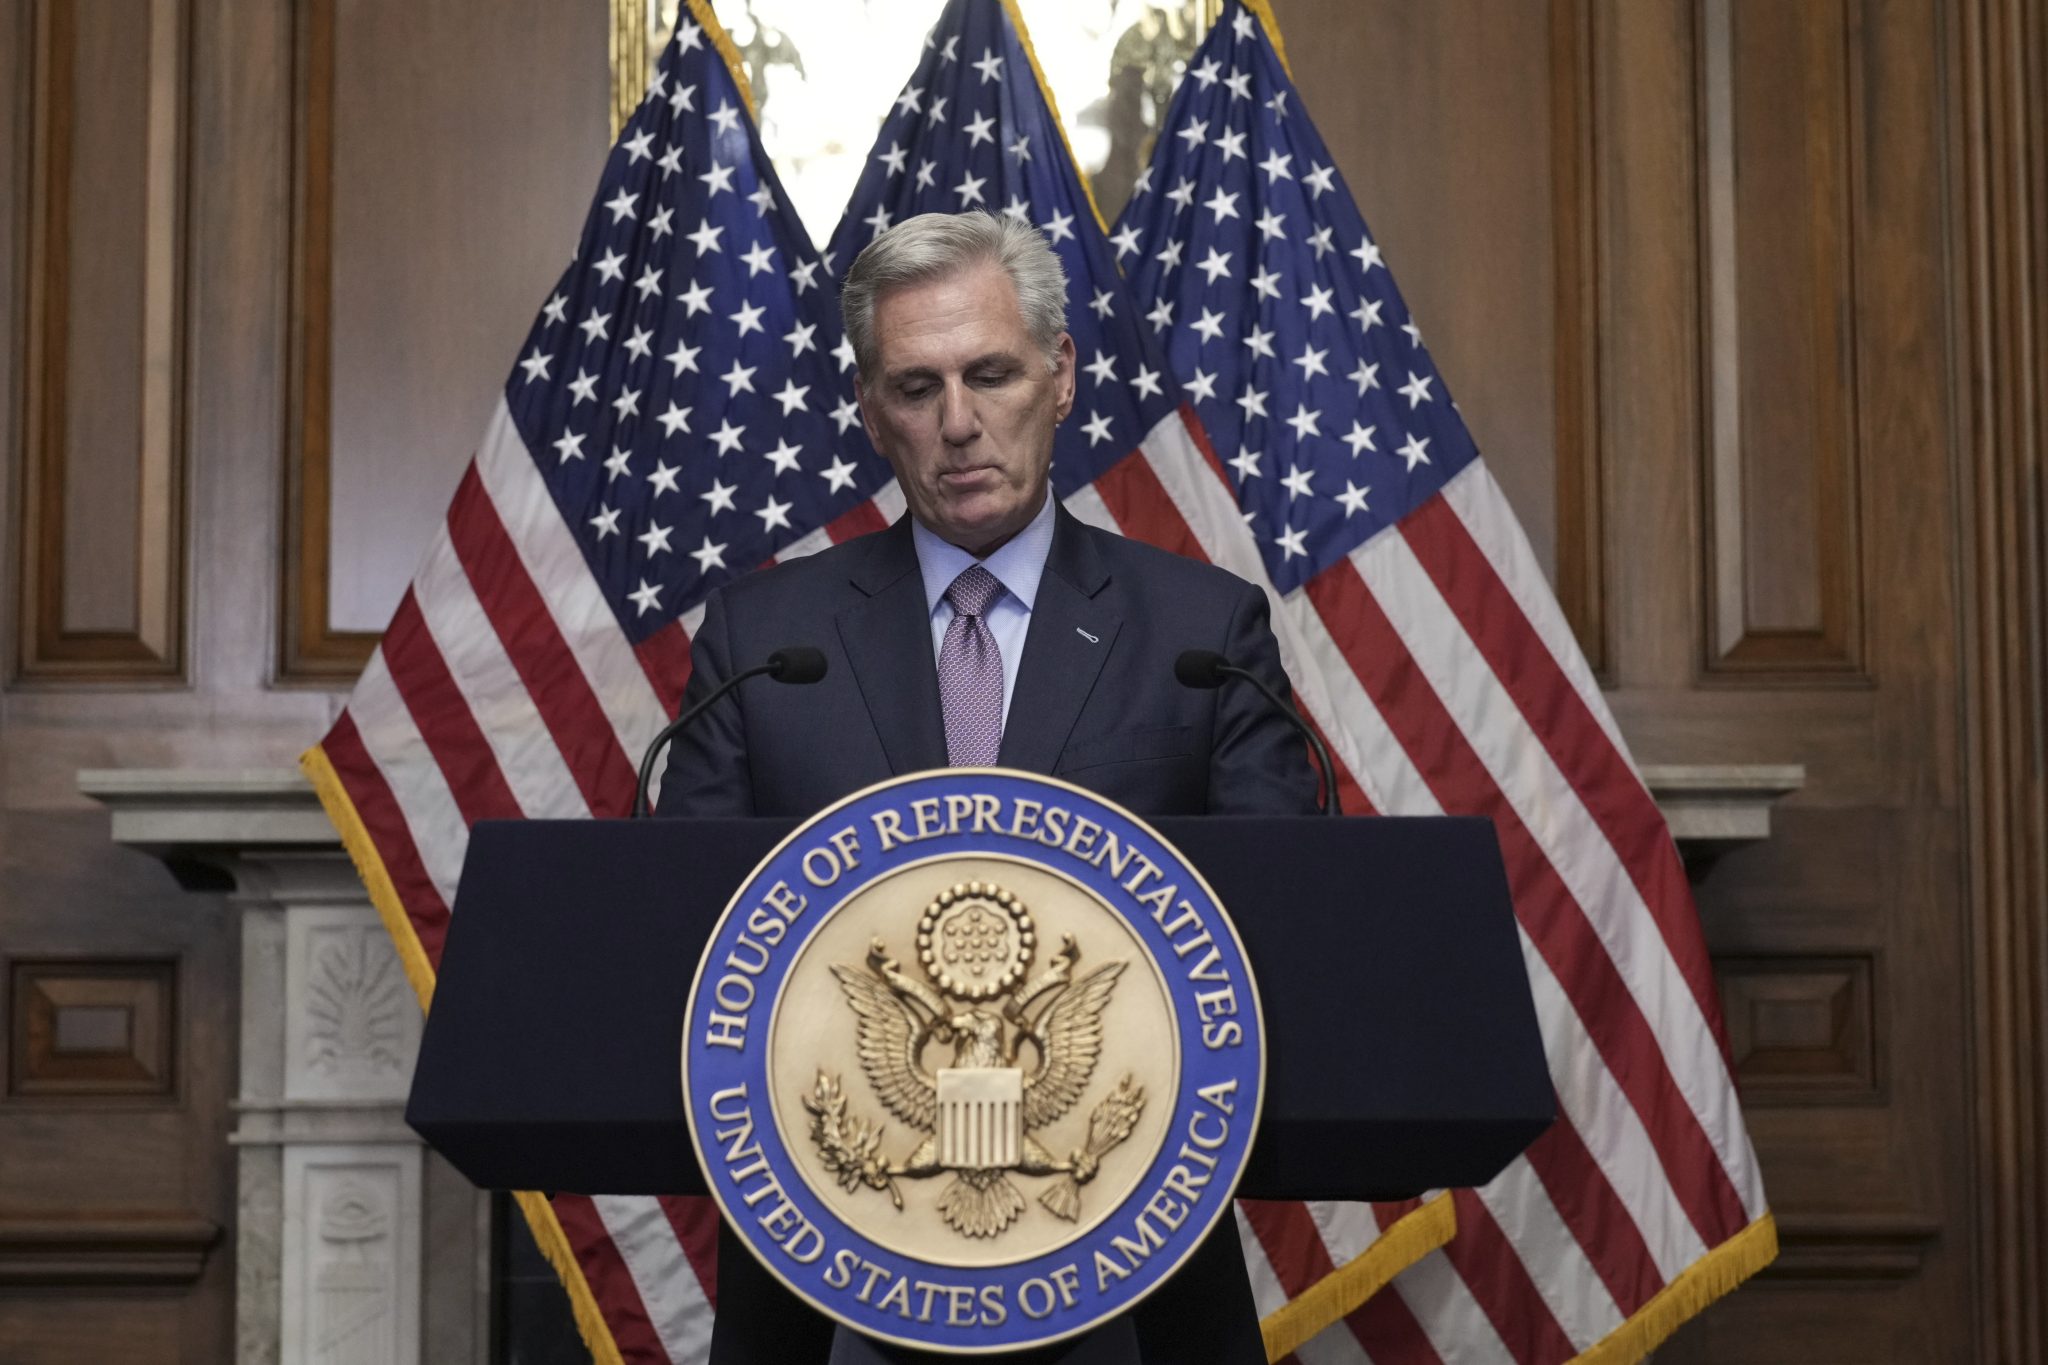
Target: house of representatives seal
x=973 y=1060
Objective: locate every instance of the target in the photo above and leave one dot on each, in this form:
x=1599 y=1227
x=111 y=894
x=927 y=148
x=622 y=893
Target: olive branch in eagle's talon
x=851 y=1148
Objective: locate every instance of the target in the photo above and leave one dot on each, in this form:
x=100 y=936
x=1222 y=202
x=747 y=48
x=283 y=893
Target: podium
x=1403 y=1051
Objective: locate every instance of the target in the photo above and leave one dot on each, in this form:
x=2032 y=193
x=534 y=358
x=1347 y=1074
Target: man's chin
x=980 y=533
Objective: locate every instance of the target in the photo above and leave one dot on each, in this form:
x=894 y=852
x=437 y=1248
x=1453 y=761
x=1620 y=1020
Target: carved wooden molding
x=1782 y=576
x=1803 y=1028
x=53 y=645
x=1848 y=1249
x=309 y=650
x=104 y=1251
x=1576 y=161
x=1999 y=70
x=86 y=1029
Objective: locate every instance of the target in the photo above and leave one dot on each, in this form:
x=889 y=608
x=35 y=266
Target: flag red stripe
x=1489 y=1264
x=1131 y=490
x=695 y=1220
x=1390 y=1331
x=384 y=822
x=546 y=665
x=444 y=719
x=1293 y=1246
x=1555 y=921
x=1599 y=1221
x=665 y=659
x=858 y=520
x=611 y=1283
x=1577 y=743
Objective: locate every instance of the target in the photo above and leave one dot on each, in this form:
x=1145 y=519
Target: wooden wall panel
x=92 y=1027
x=1783 y=582
x=1466 y=130
x=101 y=521
x=425 y=131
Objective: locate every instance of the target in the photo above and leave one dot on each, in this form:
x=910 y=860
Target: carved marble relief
x=352 y=1280
x=352 y=1255
x=355 y=999
x=353 y=1022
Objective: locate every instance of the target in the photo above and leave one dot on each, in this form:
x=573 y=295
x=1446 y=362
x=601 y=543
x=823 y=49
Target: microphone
x=1207 y=670
x=790 y=664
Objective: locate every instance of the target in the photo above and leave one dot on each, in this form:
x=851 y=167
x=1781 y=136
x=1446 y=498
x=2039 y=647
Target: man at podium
x=987 y=627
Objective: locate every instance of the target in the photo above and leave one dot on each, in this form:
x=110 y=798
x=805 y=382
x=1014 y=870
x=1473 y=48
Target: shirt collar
x=1018 y=565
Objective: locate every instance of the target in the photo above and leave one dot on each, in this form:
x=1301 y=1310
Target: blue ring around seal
x=1023 y=1303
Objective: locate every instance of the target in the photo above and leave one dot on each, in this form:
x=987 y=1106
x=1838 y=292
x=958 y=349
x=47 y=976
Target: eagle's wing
x=1069 y=1041
x=891 y=1037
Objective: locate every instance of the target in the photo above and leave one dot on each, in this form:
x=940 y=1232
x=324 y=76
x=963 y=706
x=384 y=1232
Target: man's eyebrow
x=990 y=358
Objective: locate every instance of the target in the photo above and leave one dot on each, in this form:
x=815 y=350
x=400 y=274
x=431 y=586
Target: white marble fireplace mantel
x=353 y=1242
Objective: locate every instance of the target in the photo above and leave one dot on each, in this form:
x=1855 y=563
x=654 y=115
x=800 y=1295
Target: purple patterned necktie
x=971 y=672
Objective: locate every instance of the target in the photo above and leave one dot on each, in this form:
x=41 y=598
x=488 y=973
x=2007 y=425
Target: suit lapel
x=1069 y=639
x=888 y=641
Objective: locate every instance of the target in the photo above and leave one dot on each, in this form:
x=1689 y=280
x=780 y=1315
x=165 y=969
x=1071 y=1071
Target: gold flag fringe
x=1707 y=1279
x=1414 y=1235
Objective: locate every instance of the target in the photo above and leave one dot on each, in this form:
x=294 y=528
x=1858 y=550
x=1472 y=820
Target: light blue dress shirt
x=1018 y=566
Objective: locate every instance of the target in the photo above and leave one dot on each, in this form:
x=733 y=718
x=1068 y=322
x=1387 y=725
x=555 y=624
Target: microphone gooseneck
x=794 y=664
x=1206 y=669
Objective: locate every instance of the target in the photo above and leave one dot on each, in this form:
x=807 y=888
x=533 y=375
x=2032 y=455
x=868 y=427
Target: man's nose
x=959 y=419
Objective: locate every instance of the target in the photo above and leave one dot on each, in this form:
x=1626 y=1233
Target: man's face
x=963 y=406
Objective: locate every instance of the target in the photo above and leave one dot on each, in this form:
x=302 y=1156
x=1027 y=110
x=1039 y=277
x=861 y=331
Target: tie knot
x=973 y=590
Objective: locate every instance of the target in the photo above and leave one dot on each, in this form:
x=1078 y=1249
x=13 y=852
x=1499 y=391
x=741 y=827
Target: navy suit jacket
x=1096 y=701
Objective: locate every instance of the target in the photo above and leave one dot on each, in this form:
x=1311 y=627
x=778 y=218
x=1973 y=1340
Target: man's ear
x=1063 y=377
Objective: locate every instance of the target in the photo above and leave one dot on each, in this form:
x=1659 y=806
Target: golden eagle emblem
x=1023 y=1055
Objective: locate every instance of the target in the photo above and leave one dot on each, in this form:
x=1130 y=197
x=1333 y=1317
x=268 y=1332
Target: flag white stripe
x=1087 y=505
x=889 y=502
x=498 y=700
x=675 y=1302
x=1347 y=1229
x=1558 y=821
x=562 y=577
x=1490 y=520
x=417 y=784
x=1334 y=1345
x=1457 y=1326
x=1557 y=1264
x=804 y=545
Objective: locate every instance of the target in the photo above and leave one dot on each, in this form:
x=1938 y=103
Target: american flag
x=1421 y=634
x=681 y=412
x=975 y=129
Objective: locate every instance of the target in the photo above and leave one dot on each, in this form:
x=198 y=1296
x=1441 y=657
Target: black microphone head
x=1199 y=668
x=796 y=664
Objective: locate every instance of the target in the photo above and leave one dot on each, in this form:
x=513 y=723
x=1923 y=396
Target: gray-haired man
x=987 y=626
